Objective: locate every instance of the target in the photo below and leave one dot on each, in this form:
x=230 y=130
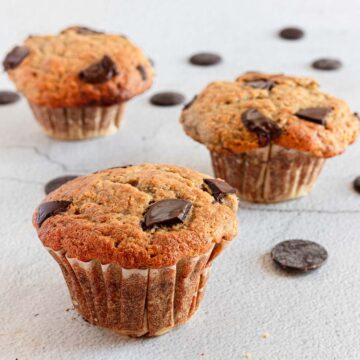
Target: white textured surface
x=316 y=316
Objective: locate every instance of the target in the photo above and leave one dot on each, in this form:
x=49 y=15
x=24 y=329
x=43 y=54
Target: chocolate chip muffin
x=78 y=81
x=269 y=135
x=136 y=244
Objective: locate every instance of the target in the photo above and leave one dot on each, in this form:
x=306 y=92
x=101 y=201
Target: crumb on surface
x=248 y=355
x=265 y=335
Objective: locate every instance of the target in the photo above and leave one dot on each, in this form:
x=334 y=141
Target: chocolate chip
x=166 y=213
x=301 y=255
x=219 y=188
x=356 y=184
x=291 y=33
x=265 y=128
x=186 y=106
x=8 y=97
x=327 y=64
x=83 y=30
x=51 y=208
x=142 y=72
x=168 y=98
x=315 y=115
x=57 y=182
x=15 y=57
x=261 y=84
x=99 y=72
x=205 y=59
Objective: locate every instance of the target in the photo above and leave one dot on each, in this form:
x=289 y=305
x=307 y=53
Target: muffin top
x=78 y=67
x=258 y=109
x=138 y=216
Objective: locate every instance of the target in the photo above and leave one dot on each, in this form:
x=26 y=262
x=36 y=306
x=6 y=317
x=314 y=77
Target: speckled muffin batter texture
x=107 y=208
x=214 y=118
x=49 y=75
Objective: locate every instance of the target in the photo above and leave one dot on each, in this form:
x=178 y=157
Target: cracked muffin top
x=258 y=109
x=78 y=67
x=138 y=216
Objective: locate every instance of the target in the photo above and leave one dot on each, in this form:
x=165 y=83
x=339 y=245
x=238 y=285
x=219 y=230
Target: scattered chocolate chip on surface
x=301 y=255
x=356 y=184
x=327 y=64
x=15 y=57
x=168 y=98
x=142 y=72
x=261 y=84
x=205 y=59
x=51 y=208
x=166 y=213
x=315 y=115
x=188 y=105
x=99 y=72
x=8 y=97
x=83 y=30
x=265 y=128
x=57 y=182
x=291 y=33
x=219 y=188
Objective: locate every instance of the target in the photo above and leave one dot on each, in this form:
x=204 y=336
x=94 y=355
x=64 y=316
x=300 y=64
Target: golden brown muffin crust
x=107 y=208
x=214 y=118
x=49 y=75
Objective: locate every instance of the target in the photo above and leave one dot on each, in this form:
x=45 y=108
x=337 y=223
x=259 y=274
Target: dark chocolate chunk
x=15 y=57
x=99 y=72
x=166 y=213
x=327 y=64
x=357 y=115
x=8 y=97
x=219 y=188
x=142 y=72
x=57 y=182
x=261 y=84
x=186 y=106
x=51 y=208
x=265 y=128
x=315 y=115
x=205 y=59
x=168 y=98
x=291 y=33
x=83 y=30
x=301 y=255
x=357 y=184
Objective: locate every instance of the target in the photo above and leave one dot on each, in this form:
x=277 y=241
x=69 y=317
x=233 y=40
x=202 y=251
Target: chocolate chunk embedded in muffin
x=142 y=237
x=269 y=134
x=78 y=81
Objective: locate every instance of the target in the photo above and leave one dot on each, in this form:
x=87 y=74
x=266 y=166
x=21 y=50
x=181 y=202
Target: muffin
x=269 y=135
x=136 y=244
x=78 y=81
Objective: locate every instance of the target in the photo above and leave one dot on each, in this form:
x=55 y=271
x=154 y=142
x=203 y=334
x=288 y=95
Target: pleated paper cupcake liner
x=270 y=174
x=137 y=302
x=79 y=123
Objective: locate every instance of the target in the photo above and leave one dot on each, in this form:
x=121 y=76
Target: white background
x=316 y=316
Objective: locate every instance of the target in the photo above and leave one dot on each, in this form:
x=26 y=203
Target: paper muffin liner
x=268 y=175
x=137 y=302
x=80 y=122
